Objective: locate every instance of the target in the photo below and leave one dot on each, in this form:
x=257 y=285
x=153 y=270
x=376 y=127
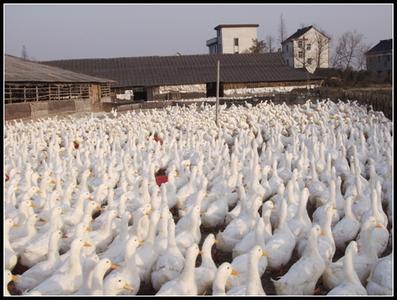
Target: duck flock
x=297 y=198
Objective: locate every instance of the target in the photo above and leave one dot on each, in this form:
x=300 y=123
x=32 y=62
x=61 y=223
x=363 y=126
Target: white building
x=232 y=38
x=306 y=48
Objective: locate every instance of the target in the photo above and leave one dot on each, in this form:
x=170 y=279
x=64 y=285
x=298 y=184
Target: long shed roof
x=187 y=69
x=21 y=70
x=381 y=47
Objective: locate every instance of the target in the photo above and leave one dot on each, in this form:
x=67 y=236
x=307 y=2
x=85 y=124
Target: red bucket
x=161 y=179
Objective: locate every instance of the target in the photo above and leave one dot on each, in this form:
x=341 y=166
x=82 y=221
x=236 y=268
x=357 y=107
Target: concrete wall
x=379 y=62
x=186 y=88
x=265 y=90
x=316 y=54
x=42 y=109
x=244 y=35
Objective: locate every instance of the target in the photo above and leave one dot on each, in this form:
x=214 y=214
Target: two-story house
x=379 y=60
x=307 y=48
x=232 y=38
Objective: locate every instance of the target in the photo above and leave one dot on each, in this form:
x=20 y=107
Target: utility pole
x=217 y=93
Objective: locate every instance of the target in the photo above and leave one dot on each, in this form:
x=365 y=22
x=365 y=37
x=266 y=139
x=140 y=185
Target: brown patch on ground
x=19 y=268
x=13 y=289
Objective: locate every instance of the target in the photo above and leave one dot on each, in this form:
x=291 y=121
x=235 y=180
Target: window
x=300 y=44
x=308 y=46
x=236 y=42
x=287 y=48
x=309 y=61
x=300 y=54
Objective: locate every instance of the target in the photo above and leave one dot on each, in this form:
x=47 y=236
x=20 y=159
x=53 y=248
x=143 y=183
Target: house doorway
x=211 y=89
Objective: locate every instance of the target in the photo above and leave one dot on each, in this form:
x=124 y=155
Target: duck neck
x=326 y=228
x=266 y=216
x=283 y=215
x=312 y=246
x=374 y=204
x=75 y=260
x=219 y=286
x=108 y=225
x=253 y=276
x=171 y=237
x=302 y=210
x=187 y=275
x=348 y=208
x=348 y=266
x=129 y=258
x=53 y=250
x=152 y=233
x=206 y=256
x=97 y=279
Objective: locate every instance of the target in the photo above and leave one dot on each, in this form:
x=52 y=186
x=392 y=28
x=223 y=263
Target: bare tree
x=321 y=43
x=257 y=47
x=347 y=51
x=282 y=30
x=361 y=58
x=269 y=43
x=24 y=53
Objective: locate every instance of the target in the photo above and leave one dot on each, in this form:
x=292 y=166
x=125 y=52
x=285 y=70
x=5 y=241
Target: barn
x=190 y=76
x=35 y=90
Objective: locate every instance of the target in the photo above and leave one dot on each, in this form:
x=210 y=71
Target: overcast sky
x=93 y=31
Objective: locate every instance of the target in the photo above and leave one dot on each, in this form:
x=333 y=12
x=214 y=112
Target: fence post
x=37 y=93
x=217 y=93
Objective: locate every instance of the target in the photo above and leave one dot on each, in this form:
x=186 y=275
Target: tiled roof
x=382 y=46
x=300 y=32
x=21 y=70
x=186 y=69
x=235 y=25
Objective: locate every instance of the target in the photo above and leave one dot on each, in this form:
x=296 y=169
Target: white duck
x=75 y=214
x=147 y=254
x=184 y=284
x=364 y=261
x=129 y=271
x=380 y=281
x=303 y=275
x=103 y=237
x=347 y=228
x=20 y=244
x=189 y=234
x=253 y=284
x=169 y=263
x=98 y=274
x=326 y=243
x=205 y=274
x=281 y=245
x=115 y=251
x=42 y=270
x=320 y=212
x=116 y=286
x=222 y=274
x=37 y=249
x=67 y=281
x=300 y=224
x=240 y=226
x=10 y=257
x=351 y=285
